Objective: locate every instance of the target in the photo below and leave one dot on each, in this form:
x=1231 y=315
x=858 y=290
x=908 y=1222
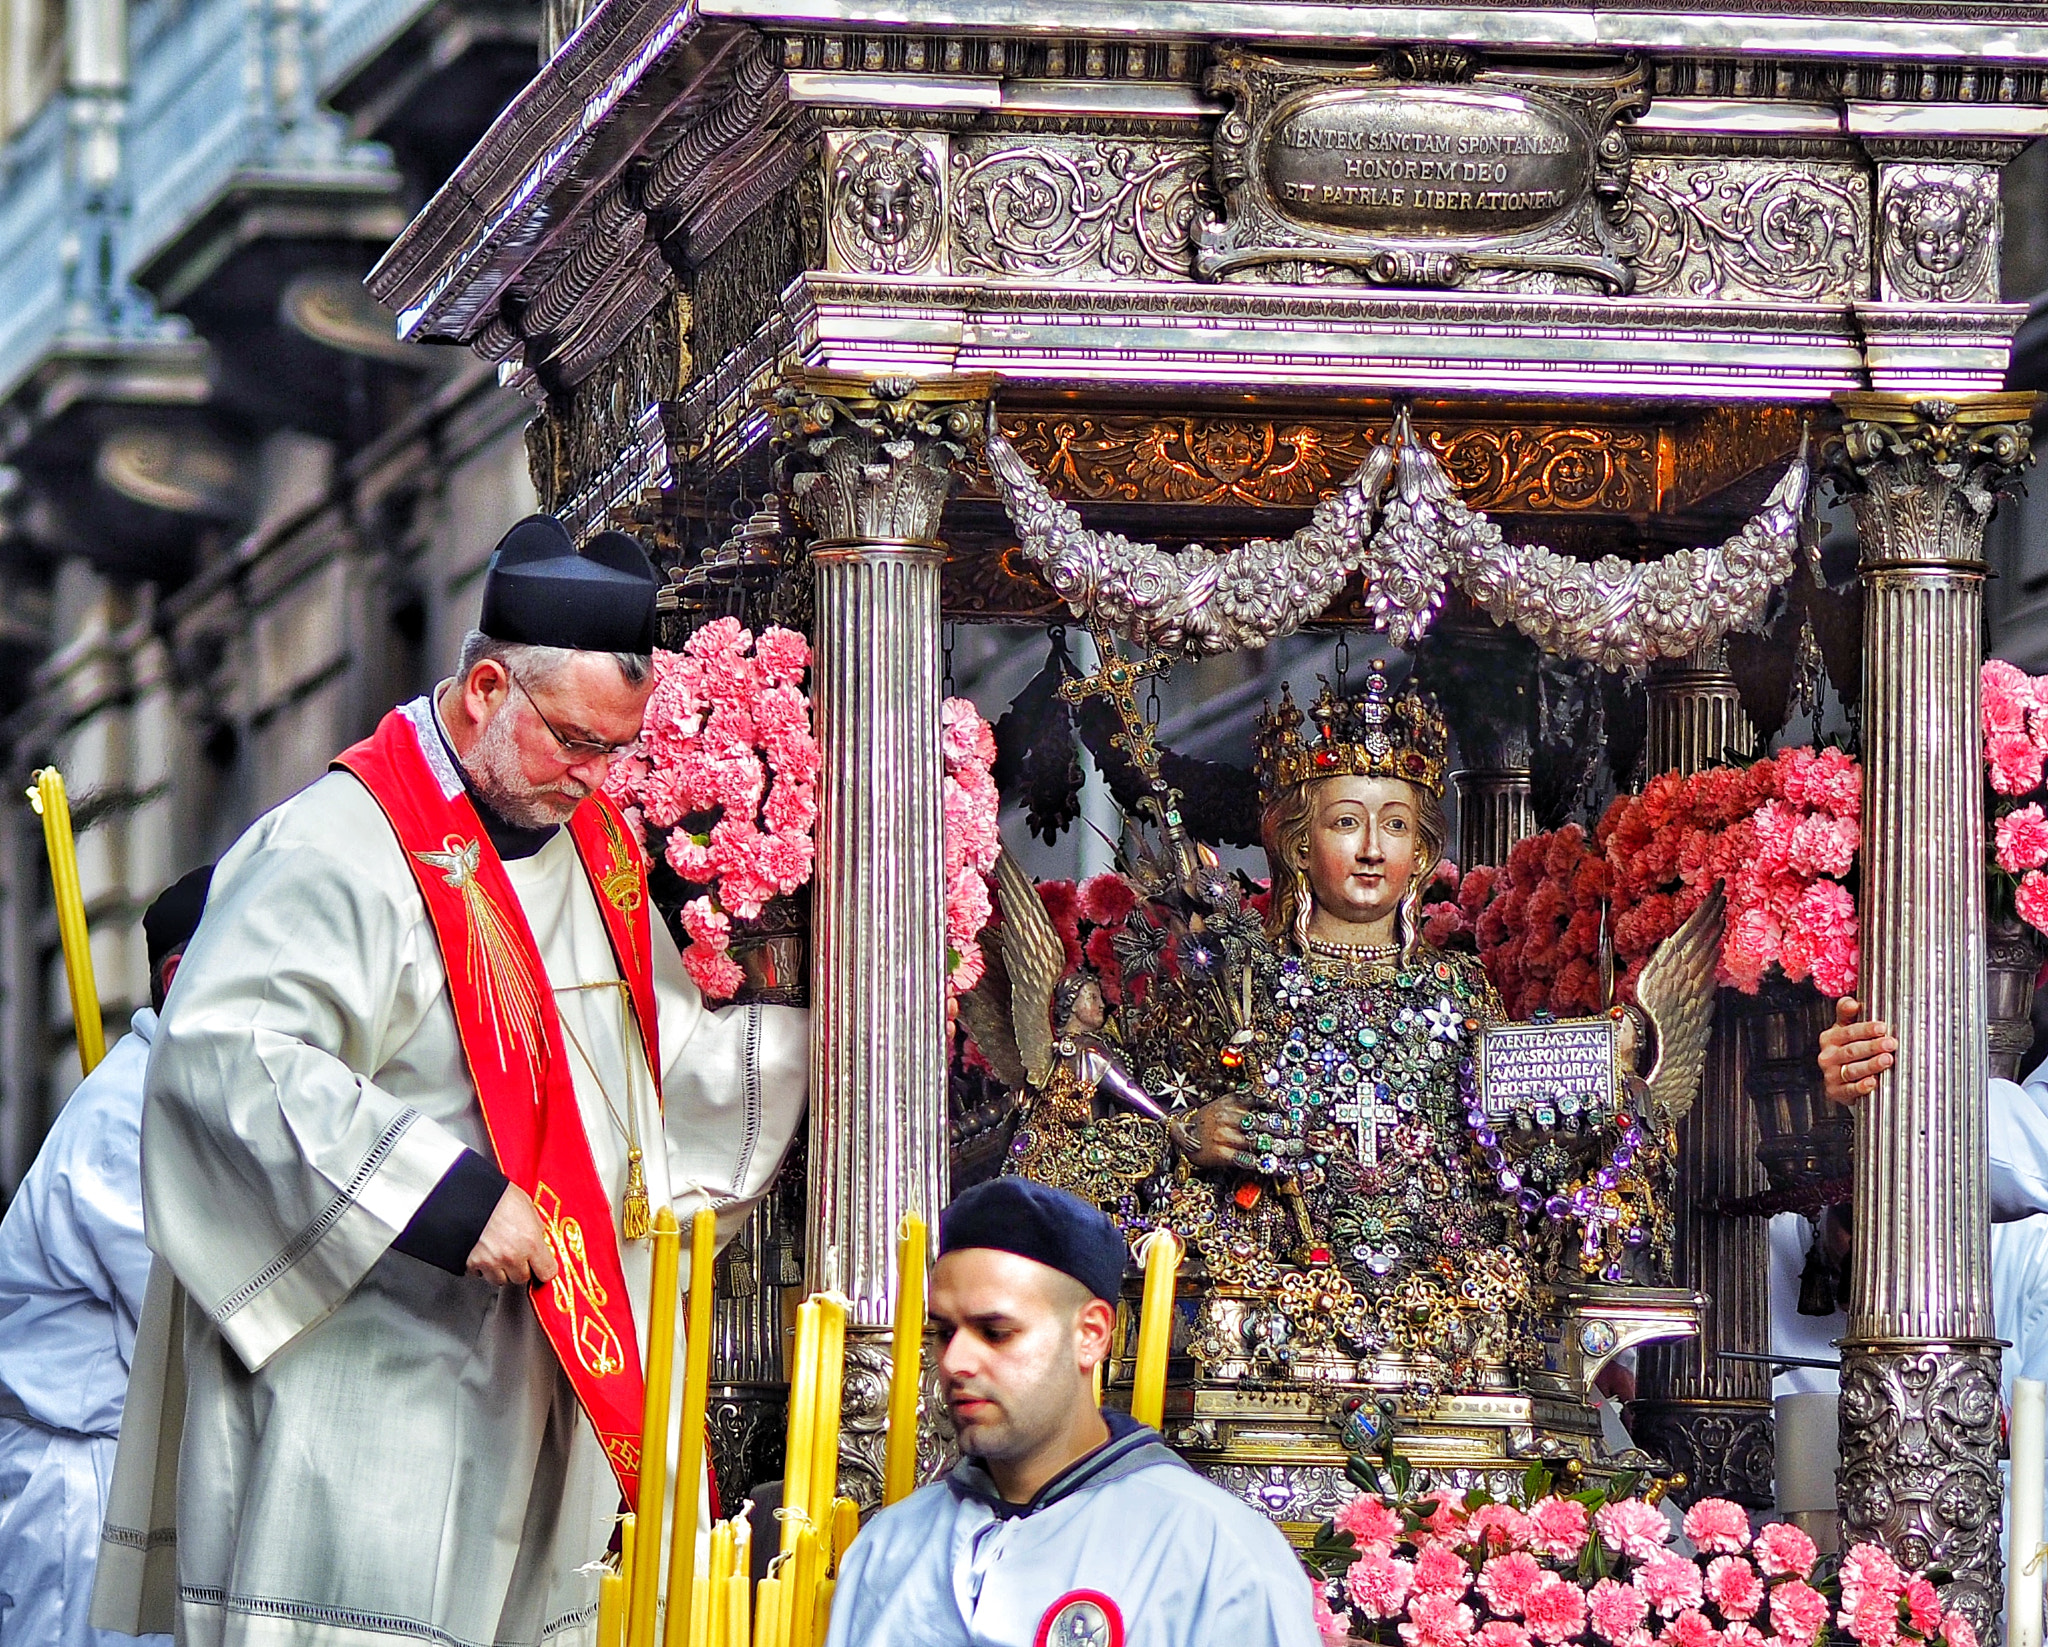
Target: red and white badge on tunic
x=1081 y=1618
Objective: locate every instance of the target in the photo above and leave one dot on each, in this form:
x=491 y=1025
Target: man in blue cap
x=1064 y=1525
x=428 y=1068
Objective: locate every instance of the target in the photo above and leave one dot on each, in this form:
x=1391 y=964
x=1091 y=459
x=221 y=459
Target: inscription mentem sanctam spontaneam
x=1550 y=1073
x=1425 y=161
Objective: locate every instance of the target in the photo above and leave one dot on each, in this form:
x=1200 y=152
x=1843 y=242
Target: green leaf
x=1535 y=1484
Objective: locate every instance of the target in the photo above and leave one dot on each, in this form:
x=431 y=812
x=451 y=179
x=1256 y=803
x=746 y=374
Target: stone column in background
x=1711 y=1418
x=1485 y=677
x=867 y=468
x=1920 y=1381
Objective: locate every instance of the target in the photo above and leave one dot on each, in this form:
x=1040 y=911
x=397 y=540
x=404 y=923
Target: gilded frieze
x=1288 y=463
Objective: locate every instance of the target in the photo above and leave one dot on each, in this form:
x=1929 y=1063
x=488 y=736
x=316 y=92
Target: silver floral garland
x=1610 y=612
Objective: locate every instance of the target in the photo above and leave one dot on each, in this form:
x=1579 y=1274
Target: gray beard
x=492 y=766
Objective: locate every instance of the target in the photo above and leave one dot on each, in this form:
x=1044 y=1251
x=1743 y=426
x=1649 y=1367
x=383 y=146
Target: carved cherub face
x=1084 y=1009
x=1361 y=848
x=1939 y=232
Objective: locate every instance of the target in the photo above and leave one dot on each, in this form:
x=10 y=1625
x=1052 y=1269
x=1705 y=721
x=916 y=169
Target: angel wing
x=985 y=1011
x=1676 y=991
x=1035 y=958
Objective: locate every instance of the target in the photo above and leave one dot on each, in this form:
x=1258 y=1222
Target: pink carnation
x=1440 y=1570
x=964 y=736
x=1506 y=1580
x=1733 y=1586
x=716 y=973
x=1557 y=1527
x=1874 y=1621
x=1717 y=1526
x=2008 y=695
x=1799 y=1612
x=1372 y=1526
x=1669 y=1583
x=1378 y=1585
x=1923 y=1606
x=1329 y=1626
x=2030 y=899
x=1555 y=1610
x=1499 y=1527
x=1742 y=1635
x=1869 y=1571
x=2022 y=840
x=1501 y=1633
x=1957 y=1631
x=1437 y=1621
x=2014 y=760
x=1617 y=1610
x=784 y=655
x=1632 y=1528
x=1783 y=1549
x=1691 y=1629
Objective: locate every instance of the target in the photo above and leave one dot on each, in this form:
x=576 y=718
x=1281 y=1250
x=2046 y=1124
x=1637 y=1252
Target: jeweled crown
x=1380 y=732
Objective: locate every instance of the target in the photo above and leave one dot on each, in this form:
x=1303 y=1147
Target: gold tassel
x=636 y=1219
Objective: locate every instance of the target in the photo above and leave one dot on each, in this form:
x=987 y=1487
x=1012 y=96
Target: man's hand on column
x=513 y=1249
x=1853 y=1055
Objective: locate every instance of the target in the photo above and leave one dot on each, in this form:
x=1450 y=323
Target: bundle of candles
x=711 y=1600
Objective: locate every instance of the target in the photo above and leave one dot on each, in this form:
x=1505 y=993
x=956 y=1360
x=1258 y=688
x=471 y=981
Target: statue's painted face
x=1362 y=843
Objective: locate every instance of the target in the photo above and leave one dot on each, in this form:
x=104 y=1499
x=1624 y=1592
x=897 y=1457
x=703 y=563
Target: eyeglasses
x=577 y=749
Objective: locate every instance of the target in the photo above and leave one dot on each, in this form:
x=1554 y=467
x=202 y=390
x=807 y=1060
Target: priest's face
x=537 y=755
x=1015 y=1342
x=1361 y=848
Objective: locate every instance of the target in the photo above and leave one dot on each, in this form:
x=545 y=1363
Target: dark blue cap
x=169 y=923
x=1041 y=1223
x=539 y=591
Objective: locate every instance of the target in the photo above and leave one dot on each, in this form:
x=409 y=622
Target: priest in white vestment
x=347 y=1403
x=73 y=1269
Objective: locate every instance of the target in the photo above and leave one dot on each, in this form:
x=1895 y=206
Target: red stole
x=512 y=1041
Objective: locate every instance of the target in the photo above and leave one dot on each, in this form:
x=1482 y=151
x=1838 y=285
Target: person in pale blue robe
x=73 y=1268
x=1063 y=1525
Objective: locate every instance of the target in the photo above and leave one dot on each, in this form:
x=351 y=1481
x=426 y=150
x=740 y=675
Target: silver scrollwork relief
x=1920 y=1450
x=864 y=1421
x=1724 y=1449
x=885 y=201
x=1737 y=228
x=1940 y=231
x=1066 y=206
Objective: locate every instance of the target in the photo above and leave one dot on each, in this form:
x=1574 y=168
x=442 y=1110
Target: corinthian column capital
x=1924 y=475
x=872 y=462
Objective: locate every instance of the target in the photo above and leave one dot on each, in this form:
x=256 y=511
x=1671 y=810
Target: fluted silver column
x=1484 y=674
x=868 y=468
x=1920 y=1387
x=1710 y=1417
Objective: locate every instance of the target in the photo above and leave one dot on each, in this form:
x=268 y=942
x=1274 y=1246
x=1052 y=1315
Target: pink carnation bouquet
x=1597 y=1568
x=1778 y=837
x=972 y=840
x=723 y=783
x=2015 y=710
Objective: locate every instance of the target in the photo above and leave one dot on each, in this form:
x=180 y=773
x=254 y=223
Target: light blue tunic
x=1182 y=1562
x=73 y=1267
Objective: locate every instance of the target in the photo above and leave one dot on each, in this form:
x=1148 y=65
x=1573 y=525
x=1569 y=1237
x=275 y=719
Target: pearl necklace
x=1363 y=954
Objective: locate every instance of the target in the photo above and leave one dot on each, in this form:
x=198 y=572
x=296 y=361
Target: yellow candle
x=54 y=807
x=845 y=1524
x=1161 y=1253
x=803 y=1401
x=825 y=1428
x=800 y=1589
x=899 y=1471
x=645 y=1587
x=742 y=1549
x=682 y=1557
x=711 y=1589
x=627 y=1544
x=823 y=1616
x=739 y=1590
x=768 y=1613
x=700 y=1612
x=611 y=1610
